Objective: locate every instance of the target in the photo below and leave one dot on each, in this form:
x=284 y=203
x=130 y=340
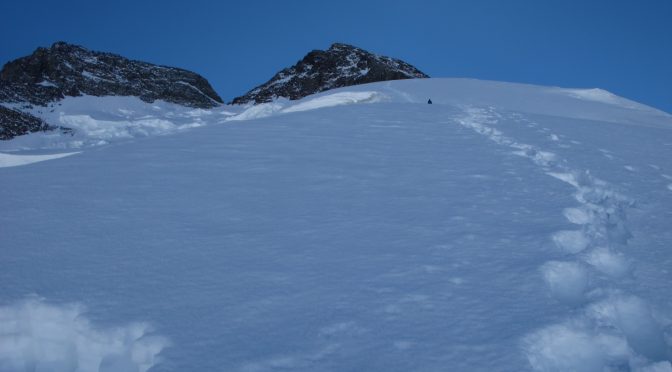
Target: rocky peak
x=339 y=66
x=51 y=74
x=64 y=69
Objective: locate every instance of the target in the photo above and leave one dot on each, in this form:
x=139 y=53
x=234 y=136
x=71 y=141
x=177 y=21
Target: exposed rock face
x=15 y=123
x=70 y=70
x=50 y=74
x=339 y=66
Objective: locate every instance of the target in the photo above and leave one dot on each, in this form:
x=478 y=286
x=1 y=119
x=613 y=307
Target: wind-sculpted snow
x=37 y=336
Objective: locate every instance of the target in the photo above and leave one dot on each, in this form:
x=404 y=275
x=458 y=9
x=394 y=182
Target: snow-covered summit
x=339 y=66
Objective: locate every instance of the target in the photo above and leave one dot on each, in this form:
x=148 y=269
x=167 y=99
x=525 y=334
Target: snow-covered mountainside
x=506 y=227
x=339 y=66
x=65 y=70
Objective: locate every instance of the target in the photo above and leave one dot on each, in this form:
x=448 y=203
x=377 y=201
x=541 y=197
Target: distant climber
x=429 y=102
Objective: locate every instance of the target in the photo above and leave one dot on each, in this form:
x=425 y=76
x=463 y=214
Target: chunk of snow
x=571 y=241
x=50 y=337
x=608 y=262
x=568 y=281
x=579 y=216
x=46 y=83
x=573 y=348
x=634 y=318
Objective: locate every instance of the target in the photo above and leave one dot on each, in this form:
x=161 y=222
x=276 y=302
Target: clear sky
x=621 y=46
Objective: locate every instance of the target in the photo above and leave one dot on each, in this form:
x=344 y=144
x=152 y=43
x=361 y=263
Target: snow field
x=357 y=229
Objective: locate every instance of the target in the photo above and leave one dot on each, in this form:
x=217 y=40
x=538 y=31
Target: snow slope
x=506 y=227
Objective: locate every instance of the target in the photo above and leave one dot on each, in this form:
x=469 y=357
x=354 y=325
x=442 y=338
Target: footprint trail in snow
x=606 y=328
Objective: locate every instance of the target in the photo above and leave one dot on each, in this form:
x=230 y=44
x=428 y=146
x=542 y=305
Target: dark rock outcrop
x=339 y=66
x=70 y=70
x=15 y=123
x=50 y=74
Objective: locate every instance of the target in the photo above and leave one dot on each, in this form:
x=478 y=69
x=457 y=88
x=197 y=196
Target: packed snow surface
x=506 y=227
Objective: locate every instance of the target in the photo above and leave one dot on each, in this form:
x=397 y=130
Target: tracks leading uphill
x=607 y=327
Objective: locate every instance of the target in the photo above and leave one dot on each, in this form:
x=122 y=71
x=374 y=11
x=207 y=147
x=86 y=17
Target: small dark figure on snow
x=429 y=102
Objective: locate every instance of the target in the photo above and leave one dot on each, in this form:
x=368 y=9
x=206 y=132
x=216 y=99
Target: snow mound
x=336 y=99
x=10 y=160
x=259 y=111
x=283 y=106
x=36 y=336
x=599 y=95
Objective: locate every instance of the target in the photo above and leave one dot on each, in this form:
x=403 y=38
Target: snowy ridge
x=615 y=329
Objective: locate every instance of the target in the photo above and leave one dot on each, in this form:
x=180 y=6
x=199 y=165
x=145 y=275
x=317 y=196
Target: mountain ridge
x=67 y=70
x=62 y=70
x=320 y=70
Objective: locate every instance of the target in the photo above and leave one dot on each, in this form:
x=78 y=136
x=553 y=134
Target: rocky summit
x=339 y=66
x=51 y=74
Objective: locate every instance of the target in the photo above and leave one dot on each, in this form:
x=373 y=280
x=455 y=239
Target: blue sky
x=622 y=46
